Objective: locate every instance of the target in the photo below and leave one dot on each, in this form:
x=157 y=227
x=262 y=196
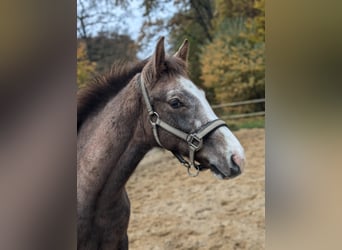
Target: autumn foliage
x=85 y=68
x=233 y=64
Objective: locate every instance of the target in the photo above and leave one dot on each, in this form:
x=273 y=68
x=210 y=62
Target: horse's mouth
x=217 y=173
x=235 y=171
x=222 y=172
x=215 y=170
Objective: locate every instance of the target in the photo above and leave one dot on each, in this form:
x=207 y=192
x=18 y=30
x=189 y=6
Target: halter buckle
x=194 y=141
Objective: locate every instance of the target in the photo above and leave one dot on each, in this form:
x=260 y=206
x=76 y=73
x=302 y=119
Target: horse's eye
x=175 y=103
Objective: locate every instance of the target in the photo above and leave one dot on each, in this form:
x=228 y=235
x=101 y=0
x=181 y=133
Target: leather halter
x=194 y=140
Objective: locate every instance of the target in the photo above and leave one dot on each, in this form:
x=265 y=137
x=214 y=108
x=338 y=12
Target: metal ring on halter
x=197 y=170
x=155 y=116
x=186 y=164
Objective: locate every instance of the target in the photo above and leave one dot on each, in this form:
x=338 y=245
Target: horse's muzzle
x=237 y=165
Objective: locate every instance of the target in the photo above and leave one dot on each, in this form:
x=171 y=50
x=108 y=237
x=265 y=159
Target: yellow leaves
x=85 y=68
x=233 y=67
x=259 y=21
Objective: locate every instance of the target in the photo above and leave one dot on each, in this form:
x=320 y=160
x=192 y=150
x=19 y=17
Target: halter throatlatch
x=194 y=140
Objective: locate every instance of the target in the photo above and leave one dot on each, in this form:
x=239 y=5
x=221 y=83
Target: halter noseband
x=194 y=140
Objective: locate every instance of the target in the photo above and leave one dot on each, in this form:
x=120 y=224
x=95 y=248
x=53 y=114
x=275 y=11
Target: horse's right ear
x=183 y=51
x=158 y=59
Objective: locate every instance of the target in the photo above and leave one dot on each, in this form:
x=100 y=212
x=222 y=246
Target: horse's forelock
x=176 y=66
x=173 y=67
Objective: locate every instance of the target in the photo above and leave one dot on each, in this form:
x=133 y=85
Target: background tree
x=85 y=68
x=233 y=64
x=92 y=15
x=101 y=47
x=258 y=21
x=107 y=48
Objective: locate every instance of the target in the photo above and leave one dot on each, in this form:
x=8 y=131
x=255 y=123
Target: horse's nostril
x=236 y=166
x=237 y=160
x=235 y=171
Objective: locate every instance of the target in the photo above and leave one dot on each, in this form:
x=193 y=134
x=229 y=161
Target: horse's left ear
x=158 y=59
x=183 y=51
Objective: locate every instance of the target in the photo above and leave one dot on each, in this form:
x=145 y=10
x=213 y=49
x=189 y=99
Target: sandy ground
x=170 y=210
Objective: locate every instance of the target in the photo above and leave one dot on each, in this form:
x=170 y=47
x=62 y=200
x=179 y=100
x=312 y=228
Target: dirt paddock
x=170 y=210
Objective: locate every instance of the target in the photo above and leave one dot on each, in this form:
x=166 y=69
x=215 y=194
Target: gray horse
x=124 y=115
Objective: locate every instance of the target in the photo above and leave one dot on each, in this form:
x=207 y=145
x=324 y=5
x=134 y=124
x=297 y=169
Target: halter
x=194 y=140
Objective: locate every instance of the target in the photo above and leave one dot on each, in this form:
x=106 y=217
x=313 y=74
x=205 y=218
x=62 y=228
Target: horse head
x=173 y=99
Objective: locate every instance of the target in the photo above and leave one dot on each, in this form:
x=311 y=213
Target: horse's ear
x=183 y=51
x=158 y=59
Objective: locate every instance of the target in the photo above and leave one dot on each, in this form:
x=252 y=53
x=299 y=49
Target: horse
x=122 y=116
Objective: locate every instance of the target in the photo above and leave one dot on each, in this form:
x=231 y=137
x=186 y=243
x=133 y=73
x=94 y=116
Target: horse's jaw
x=223 y=168
x=222 y=154
x=234 y=171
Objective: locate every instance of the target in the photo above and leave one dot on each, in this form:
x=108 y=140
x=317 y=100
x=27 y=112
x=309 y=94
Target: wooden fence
x=238 y=116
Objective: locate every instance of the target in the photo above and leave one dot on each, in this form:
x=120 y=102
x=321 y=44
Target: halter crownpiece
x=194 y=140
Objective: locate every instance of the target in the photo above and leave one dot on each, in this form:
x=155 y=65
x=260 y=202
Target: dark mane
x=97 y=93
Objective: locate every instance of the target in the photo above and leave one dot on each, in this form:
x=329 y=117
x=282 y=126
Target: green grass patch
x=253 y=122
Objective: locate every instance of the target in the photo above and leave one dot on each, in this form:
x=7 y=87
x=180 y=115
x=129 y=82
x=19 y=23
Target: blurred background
x=38 y=51
x=227 y=43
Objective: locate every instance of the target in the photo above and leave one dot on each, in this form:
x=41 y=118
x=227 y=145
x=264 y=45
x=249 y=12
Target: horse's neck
x=110 y=145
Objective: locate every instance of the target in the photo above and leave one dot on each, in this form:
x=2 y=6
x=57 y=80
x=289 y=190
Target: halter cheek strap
x=194 y=140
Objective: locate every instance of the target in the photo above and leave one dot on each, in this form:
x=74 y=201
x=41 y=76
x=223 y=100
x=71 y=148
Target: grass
x=248 y=123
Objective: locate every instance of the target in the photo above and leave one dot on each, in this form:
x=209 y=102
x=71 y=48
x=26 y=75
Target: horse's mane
x=97 y=93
